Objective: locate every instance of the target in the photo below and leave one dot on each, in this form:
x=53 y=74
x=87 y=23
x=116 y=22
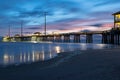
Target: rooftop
x=116 y=13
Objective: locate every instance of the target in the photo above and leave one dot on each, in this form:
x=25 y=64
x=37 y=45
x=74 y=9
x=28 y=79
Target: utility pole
x=9 y=31
x=45 y=22
x=21 y=28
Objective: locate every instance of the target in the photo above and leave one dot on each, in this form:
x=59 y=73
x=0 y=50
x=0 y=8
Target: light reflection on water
x=57 y=48
x=16 y=53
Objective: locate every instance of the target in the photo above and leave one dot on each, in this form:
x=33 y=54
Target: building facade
x=117 y=20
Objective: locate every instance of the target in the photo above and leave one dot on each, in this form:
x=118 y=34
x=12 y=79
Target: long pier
x=108 y=37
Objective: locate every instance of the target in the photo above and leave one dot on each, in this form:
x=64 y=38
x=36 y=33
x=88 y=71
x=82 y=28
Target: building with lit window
x=117 y=20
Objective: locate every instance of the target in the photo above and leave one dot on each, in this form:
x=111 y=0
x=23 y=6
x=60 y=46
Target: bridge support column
x=89 y=38
x=77 y=38
x=25 y=38
x=22 y=38
x=112 y=38
x=116 y=42
x=118 y=38
x=108 y=38
x=38 y=38
x=58 y=39
x=66 y=38
x=51 y=38
x=17 y=39
x=105 y=38
x=44 y=38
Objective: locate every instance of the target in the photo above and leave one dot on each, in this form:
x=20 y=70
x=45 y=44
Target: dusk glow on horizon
x=62 y=15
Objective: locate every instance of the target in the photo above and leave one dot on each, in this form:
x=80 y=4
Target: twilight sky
x=62 y=15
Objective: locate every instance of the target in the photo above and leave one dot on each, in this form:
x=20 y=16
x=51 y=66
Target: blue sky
x=62 y=15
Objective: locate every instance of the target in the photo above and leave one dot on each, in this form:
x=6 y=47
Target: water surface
x=27 y=52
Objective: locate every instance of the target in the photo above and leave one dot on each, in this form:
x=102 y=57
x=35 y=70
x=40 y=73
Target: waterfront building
x=117 y=19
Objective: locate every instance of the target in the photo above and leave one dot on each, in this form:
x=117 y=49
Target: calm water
x=25 y=52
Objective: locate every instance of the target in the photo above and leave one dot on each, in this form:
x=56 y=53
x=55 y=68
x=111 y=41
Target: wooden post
x=77 y=38
x=118 y=38
x=66 y=38
x=89 y=38
x=102 y=38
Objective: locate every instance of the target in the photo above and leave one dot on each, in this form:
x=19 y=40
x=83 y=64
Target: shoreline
x=99 y=64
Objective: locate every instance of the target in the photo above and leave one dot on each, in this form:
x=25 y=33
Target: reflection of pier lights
x=8 y=58
x=24 y=58
x=21 y=59
x=117 y=20
x=28 y=57
x=57 y=48
x=50 y=52
x=43 y=56
x=33 y=56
